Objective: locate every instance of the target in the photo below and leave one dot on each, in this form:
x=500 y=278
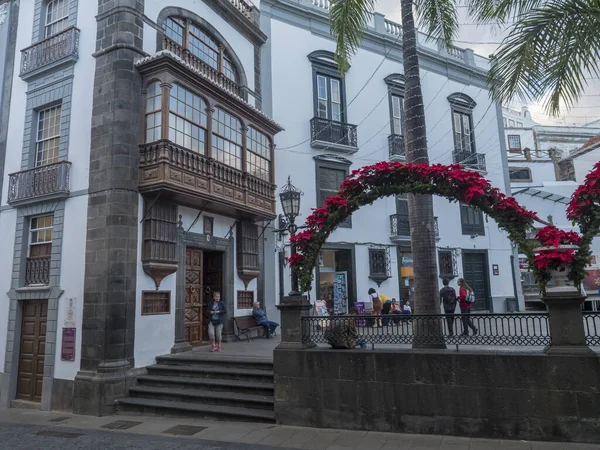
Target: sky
x=484 y=41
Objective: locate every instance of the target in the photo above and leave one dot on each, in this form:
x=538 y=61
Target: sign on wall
x=67 y=352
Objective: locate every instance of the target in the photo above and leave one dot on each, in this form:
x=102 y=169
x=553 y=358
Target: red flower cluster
x=585 y=196
x=317 y=218
x=551 y=236
x=335 y=202
x=552 y=259
x=302 y=239
x=296 y=258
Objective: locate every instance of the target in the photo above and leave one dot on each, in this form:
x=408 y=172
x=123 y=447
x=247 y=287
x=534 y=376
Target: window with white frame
x=37 y=267
x=57 y=17
x=463 y=138
x=514 y=142
x=48 y=136
x=397 y=114
x=329 y=98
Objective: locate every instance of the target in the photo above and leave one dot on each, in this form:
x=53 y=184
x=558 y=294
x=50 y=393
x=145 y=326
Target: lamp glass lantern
x=290 y=201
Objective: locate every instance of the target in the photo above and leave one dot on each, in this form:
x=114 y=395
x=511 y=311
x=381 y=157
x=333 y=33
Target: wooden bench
x=245 y=325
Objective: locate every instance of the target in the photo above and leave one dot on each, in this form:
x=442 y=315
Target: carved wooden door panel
x=213 y=278
x=32 y=350
x=194 y=310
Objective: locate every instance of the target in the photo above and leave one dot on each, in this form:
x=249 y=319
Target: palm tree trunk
x=420 y=207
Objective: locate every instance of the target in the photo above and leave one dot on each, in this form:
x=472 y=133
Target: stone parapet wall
x=496 y=395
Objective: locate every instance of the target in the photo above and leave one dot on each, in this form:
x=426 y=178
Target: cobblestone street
x=27 y=429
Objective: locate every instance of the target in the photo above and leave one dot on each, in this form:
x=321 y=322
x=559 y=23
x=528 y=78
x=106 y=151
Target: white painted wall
x=71 y=280
x=7 y=231
x=154 y=334
x=584 y=163
x=242 y=47
x=294 y=155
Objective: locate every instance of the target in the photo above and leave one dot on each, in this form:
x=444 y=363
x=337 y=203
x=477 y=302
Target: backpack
x=449 y=296
x=470 y=297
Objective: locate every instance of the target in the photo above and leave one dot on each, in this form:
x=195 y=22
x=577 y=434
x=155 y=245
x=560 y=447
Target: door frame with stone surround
x=205 y=243
x=32 y=349
x=19 y=293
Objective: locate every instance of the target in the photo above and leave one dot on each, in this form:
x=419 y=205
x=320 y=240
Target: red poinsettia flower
x=551 y=236
x=335 y=201
x=295 y=259
x=552 y=259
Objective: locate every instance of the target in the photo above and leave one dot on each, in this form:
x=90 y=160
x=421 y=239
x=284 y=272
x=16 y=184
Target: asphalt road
x=29 y=437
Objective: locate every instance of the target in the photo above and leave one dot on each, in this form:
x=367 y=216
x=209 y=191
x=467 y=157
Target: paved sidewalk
x=149 y=432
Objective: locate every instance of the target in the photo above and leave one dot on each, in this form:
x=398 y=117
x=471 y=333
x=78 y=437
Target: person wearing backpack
x=448 y=301
x=466 y=299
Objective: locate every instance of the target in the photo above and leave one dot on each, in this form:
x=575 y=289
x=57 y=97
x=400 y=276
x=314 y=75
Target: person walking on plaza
x=262 y=320
x=448 y=301
x=216 y=311
x=466 y=299
x=377 y=306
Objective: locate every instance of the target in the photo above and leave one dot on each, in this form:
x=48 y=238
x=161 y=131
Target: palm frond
x=485 y=11
x=548 y=55
x=348 y=20
x=438 y=18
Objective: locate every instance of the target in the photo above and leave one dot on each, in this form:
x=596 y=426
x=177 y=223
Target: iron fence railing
x=51 y=50
x=523 y=329
x=475 y=161
x=37 y=271
x=48 y=180
x=330 y=131
x=396 y=146
x=400 y=226
x=591 y=326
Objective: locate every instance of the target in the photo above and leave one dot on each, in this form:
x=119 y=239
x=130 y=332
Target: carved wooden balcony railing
x=208 y=71
x=49 y=53
x=196 y=180
x=39 y=183
x=37 y=271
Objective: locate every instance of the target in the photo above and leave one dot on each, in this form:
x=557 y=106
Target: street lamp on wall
x=289 y=195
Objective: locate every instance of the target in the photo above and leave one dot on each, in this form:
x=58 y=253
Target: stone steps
x=206 y=397
x=147 y=406
x=215 y=385
x=204 y=385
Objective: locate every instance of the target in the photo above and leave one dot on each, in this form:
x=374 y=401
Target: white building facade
x=334 y=125
x=141 y=144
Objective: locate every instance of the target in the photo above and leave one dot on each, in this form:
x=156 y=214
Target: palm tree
x=550 y=50
x=348 y=21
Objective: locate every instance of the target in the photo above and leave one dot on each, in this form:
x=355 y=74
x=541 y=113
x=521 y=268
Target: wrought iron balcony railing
x=325 y=133
x=396 y=145
x=37 y=271
x=50 y=181
x=400 y=227
x=57 y=49
x=475 y=161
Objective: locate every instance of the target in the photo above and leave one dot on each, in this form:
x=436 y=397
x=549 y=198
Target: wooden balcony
x=194 y=180
x=39 y=184
x=53 y=51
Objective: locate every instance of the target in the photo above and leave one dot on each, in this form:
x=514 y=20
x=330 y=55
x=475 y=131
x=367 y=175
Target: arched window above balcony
x=204 y=45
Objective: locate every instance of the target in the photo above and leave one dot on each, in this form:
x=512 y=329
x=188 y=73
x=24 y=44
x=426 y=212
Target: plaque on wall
x=67 y=352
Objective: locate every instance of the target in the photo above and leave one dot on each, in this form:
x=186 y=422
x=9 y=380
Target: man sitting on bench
x=261 y=319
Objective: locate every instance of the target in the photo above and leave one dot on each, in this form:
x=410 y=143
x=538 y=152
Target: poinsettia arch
x=367 y=184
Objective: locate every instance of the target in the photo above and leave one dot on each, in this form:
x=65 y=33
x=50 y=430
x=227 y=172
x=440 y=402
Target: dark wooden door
x=213 y=279
x=32 y=350
x=475 y=270
x=194 y=311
